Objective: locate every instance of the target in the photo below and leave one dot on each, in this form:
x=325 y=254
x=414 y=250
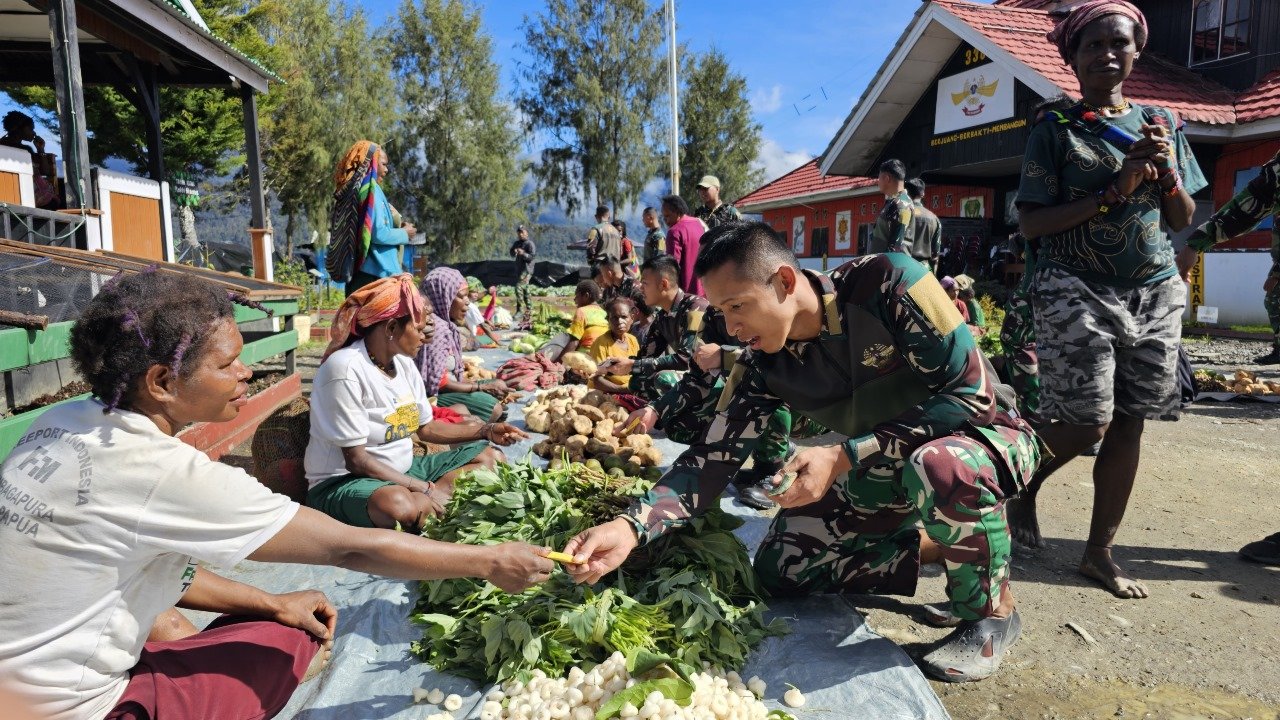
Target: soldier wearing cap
x=713 y=211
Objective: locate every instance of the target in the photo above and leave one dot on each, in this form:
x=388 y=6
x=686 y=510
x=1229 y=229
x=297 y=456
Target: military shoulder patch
x=932 y=300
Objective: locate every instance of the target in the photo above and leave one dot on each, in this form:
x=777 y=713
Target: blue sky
x=806 y=61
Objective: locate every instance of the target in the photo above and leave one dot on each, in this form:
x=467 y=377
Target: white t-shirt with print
x=102 y=520
x=354 y=403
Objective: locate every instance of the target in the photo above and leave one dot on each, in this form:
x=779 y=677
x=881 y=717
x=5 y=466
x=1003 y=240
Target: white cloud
x=767 y=101
x=777 y=161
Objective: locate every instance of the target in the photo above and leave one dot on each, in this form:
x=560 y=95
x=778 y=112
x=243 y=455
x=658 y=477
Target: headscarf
x=1065 y=32
x=441 y=286
x=351 y=219
x=384 y=299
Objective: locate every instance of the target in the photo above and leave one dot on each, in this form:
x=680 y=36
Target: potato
x=588 y=411
x=562 y=429
x=619 y=416
x=638 y=442
x=576 y=392
x=649 y=457
x=576 y=444
x=604 y=432
x=537 y=421
x=594 y=398
x=579 y=363
x=582 y=425
x=608 y=406
x=598 y=448
x=543 y=449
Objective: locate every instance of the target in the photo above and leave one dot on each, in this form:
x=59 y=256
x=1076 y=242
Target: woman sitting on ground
x=123 y=517
x=440 y=361
x=618 y=342
x=589 y=320
x=367 y=404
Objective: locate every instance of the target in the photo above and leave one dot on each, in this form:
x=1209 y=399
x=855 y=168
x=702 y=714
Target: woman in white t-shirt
x=368 y=402
x=106 y=520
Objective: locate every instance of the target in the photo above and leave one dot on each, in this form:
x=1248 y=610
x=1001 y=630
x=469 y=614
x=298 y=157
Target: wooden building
x=135 y=46
x=1215 y=63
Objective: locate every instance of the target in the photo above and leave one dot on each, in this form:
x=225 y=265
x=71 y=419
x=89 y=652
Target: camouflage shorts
x=1104 y=349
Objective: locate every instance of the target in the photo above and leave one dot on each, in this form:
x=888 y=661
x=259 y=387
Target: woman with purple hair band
x=110 y=520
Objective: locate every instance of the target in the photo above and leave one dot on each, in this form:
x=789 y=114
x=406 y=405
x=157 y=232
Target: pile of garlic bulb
x=717 y=695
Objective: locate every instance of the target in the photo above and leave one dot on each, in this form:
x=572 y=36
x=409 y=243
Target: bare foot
x=1023 y=524
x=1097 y=564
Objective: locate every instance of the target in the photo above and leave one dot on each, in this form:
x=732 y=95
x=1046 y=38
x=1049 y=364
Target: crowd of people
x=714 y=335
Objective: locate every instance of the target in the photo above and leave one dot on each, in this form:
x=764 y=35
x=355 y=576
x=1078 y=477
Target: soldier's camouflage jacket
x=893 y=368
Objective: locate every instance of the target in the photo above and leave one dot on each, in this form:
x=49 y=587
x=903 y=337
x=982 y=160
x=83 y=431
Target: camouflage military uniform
x=927 y=241
x=895 y=228
x=627 y=289
x=1248 y=208
x=723 y=213
x=668 y=346
x=1018 y=336
x=685 y=416
x=934 y=441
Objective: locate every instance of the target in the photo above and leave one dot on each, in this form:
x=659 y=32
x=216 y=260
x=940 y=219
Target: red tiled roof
x=1029 y=4
x=1260 y=101
x=804 y=180
x=1021 y=33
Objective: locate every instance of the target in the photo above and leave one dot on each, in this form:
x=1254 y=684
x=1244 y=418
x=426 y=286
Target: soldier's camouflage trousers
x=1018 y=336
x=1272 y=303
x=863 y=535
x=522 y=293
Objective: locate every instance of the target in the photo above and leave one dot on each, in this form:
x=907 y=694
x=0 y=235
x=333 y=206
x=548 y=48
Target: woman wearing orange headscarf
x=368 y=402
x=368 y=234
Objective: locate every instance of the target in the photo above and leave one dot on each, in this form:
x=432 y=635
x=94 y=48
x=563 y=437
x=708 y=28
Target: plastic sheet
x=844 y=669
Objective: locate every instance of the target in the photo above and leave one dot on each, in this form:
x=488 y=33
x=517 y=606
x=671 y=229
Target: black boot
x=1271 y=358
x=753 y=486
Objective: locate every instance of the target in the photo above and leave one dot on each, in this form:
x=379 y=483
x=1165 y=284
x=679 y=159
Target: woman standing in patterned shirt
x=1098 y=180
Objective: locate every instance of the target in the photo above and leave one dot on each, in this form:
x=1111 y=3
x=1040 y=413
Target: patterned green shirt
x=722 y=214
x=895 y=228
x=1125 y=247
x=1260 y=198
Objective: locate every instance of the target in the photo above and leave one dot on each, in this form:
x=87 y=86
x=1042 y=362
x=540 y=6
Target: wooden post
x=69 y=88
x=257 y=199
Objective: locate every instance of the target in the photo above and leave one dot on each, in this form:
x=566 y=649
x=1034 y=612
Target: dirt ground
x=1204 y=645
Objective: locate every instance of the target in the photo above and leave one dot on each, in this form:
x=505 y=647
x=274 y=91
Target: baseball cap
x=709 y=181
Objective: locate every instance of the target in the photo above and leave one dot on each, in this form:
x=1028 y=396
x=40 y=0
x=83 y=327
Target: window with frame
x=1219 y=29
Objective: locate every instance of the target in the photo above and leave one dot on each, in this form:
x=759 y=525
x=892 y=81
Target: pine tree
x=337 y=90
x=717 y=133
x=591 y=95
x=454 y=172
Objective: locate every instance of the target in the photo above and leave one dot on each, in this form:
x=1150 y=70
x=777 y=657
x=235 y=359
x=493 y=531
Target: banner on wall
x=977 y=96
x=844 y=230
x=797 y=235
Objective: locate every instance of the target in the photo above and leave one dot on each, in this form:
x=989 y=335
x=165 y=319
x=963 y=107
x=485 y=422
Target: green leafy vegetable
x=687 y=598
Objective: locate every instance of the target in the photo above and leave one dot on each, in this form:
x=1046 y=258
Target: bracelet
x=1177 y=185
x=1100 y=197
x=486 y=430
x=1121 y=198
x=430 y=487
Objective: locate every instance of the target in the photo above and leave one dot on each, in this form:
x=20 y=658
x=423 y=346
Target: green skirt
x=346 y=497
x=480 y=404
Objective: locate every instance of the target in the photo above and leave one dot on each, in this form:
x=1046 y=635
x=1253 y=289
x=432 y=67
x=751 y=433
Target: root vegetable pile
x=531 y=373
x=580 y=426
x=473 y=369
x=637 y=686
x=690 y=596
x=1241 y=383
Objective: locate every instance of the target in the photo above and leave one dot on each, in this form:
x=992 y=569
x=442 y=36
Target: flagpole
x=673 y=74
